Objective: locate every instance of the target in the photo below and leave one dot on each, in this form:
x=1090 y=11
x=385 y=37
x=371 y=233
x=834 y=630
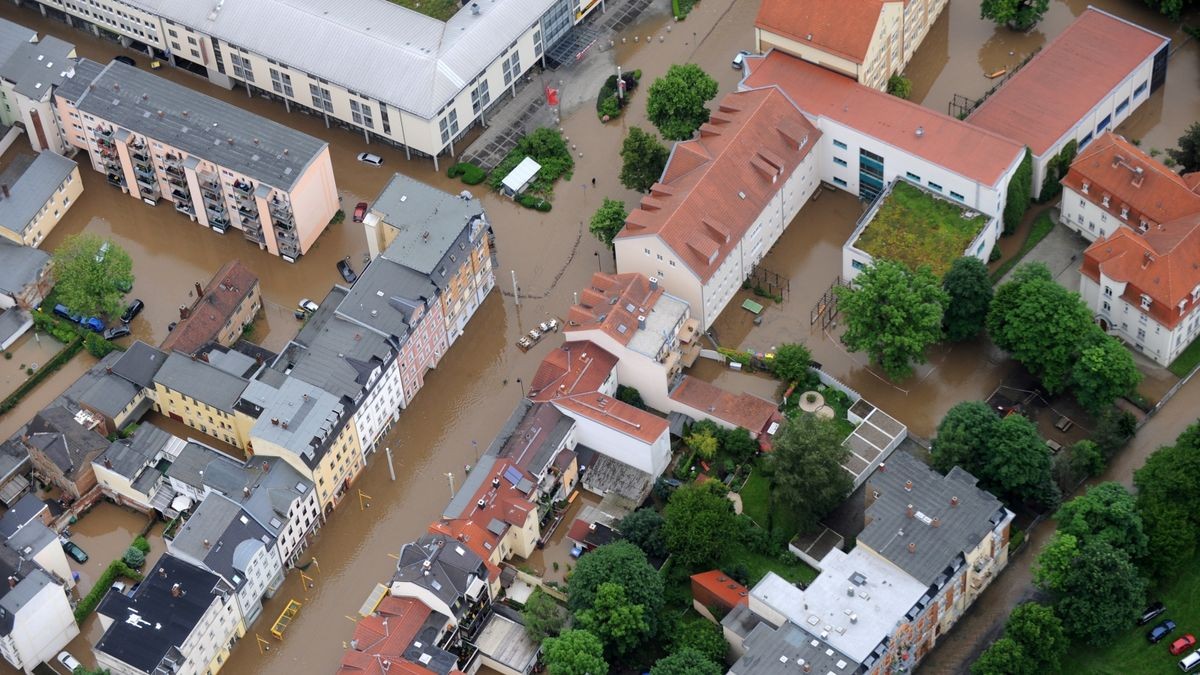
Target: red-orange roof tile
x=1115 y=168
x=715 y=588
x=1163 y=264
x=474 y=536
x=978 y=154
x=580 y=366
x=502 y=501
x=1058 y=87
x=606 y=305
x=220 y=301
x=741 y=410
x=707 y=201
x=835 y=26
x=644 y=426
x=384 y=636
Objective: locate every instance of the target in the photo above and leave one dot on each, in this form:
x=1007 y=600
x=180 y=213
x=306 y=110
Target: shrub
x=1020 y=190
x=7 y=356
x=134 y=557
x=608 y=108
x=608 y=103
x=338 y=217
x=533 y=202
x=468 y=172
x=140 y=543
x=97 y=346
x=995 y=254
x=548 y=148
x=46 y=370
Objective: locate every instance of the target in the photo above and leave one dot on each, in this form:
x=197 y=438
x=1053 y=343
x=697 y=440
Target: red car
x=1183 y=644
x=360 y=212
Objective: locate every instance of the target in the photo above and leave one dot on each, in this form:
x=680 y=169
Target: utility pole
x=450 y=476
x=391 y=469
x=516 y=292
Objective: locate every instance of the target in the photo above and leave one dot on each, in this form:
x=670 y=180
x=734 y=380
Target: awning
x=181 y=503
x=519 y=178
x=676 y=421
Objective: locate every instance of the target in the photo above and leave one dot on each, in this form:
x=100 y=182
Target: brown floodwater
x=475 y=387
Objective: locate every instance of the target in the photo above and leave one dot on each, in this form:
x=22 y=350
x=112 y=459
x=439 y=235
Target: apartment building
x=867 y=40
x=180 y=619
x=117 y=390
x=223 y=538
x=25 y=279
x=222 y=310
x=35 y=195
x=723 y=200
x=448 y=578
x=201 y=395
x=128 y=470
x=31 y=66
x=442 y=236
x=1087 y=81
x=931 y=545
x=440 y=79
x=62 y=444
x=219 y=165
x=36 y=619
x=648 y=329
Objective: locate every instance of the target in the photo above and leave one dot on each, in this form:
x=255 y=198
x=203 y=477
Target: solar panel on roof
x=513 y=475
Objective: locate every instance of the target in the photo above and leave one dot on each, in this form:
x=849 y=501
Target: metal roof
x=204 y=382
x=36 y=67
x=298 y=416
x=19 y=265
x=429 y=223
x=216 y=534
x=30 y=188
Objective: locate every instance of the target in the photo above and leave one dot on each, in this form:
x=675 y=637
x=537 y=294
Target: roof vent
x=481 y=503
x=908 y=486
x=920 y=132
x=741 y=195
x=475 y=9
x=808 y=37
x=912 y=547
x=954 y=501
x=496 y=482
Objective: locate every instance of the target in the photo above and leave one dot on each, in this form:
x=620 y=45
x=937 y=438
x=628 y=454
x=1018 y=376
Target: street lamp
x=598 y=267
x=522 y=386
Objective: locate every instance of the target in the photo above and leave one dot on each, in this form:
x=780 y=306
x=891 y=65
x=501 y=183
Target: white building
x=36 y=619
x=723 y=200
x=31 y=66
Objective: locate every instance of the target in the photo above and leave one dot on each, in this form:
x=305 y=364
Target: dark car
x=132 y=310
x=360 y=212
x=116 y=332
x=77 y=554
x=125 y=59
x=1151 y=613
x=171 y=326
x=347 y=271
x=1160 y=631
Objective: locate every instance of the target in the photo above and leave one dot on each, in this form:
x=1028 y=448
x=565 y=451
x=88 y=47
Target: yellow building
x=34 y=196
x=202 y=396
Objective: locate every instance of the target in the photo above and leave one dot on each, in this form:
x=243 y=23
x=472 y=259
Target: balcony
x=242 y=187
x=181 y=196
x=289 y=249
x=185 y=208
x=177 y=181
x=253 y=232
x=220 y=225
x=115 y=179
x=247 y=212
x=175 y=172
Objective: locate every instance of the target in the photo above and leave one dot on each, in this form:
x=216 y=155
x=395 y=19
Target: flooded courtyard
x=473 y=390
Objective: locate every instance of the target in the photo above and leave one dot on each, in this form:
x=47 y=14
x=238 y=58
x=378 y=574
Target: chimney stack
x=266 y=467
x=184 y=312
x=954 y=501
x=162 y=573
x=12 y=581
x=937 y=522
x=206 y=543
x=908 y=486
x=641 y=323
x=176 y=591
x=882 y=467
x=199 y=290
x=654 y=283
x=912 y=547
x=909 y=511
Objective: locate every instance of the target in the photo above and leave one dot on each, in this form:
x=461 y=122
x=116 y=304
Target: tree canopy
x=1187 y=155
x=1103 y=372
x=644 y=529
x=1106 y=512
x=807 y=475
x=1168 y=499
x=543 y=616
x=608 y=220
x=791 y=362
x=1016 y=14
x=622 y=563
x=970 y=294
x=685 y=662
x=893 y=315
x=575 y=652
x=698 y=524
x=1098 y=591
x=1003 y=657
x=643 y=160
x=89 y=274
x=962 y=437
x=1040 y=633
x=676 y=101
x=703 y=636
x=620 y=624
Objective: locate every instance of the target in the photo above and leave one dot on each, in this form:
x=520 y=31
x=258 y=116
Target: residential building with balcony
x=868 y=40
x=440 y=78
x=25 y=279
x=448 y=578
x=221 y=166
x=35 y=195
x=222 y=310
x=62 y=444
x=130 y=471
x=202 y=396
x=223 y=538
x=31 y=66
x=723 y=200
x=442 y=236
x=36 y=619
x=180 y=619
x=648 y=329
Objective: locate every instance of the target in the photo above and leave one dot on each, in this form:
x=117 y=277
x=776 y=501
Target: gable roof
x=33 y=183
x=706 y=201
x=1116 y=169
x=202 y=381
x=225 y=292
x=743 y=410
x=835 y=26
x=62 y=437
x=384 y=636
x=20 y=266
x=1059 y=86
x=612 y=303
x=1162 y=264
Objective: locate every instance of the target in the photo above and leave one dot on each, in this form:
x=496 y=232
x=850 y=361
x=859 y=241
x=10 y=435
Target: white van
x=1188 y=663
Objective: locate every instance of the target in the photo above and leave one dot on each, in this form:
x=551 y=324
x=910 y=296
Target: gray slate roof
x=36 y=67
x=202 y=381
x=70 y=445
x=18 y=515
x=199 y=465
x=334 y=353
x=102 y=391
x=959 y=528
x=531 y=435
x=30 y=188
x=385 y=297
x=297 y=415
x=86 y=71
x=430 y=224
x=232 y=538
x=14 y=458
x=12 y=37
x=129 y=456
x=201 y=125
x=452 y=567
x=139 y=364
x=19 y=265
x=786 y=650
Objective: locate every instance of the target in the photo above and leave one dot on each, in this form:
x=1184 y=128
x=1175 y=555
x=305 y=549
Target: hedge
x=66 y=354
x=608 y=104
x=533 y=202
x=140 y=543
x=468 y=172
x=115 y=569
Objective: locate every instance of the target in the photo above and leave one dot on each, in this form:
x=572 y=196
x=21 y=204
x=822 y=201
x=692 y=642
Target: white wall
x=1129 y=323
x=1083 y=216
x=651 y=458
x=41 y=629
x=381 y=407
x=303 y=517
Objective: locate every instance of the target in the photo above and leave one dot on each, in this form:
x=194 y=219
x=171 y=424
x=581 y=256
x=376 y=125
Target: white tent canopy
x=519 y=178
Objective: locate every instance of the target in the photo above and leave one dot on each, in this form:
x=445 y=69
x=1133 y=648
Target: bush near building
x=467 y=172
x=117 y=569
x=610 y=105
x=548 y=148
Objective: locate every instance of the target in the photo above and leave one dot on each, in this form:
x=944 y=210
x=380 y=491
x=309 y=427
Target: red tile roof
x=1115 y=168
x=635 y=422
x=579 y=530
x=474 y=536
x=502 y=502
x=835 y=26
x=576 y=367
x=606 y=303
x=970 y=151
x=714 y=588
x=741 y=410
x=1056 y=89
x=715 y=186
x=232 y=284
x=384 y=636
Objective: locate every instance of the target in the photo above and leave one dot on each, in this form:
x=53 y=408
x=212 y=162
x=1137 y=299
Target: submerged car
x=132 y=310
x=72 y=549
x=347 y=271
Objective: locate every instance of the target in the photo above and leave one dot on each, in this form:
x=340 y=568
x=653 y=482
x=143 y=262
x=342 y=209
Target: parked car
x=116 y=332
x=1151 y=613
x=69 y=662
x=125 y=59
x=132 y=310
x=1188 y=663
x=72 y=549
x=92 y=323
x=369 y=158
x=1183 y=644
x=739 y=60
x=360 y=212
x=120 y=587
x=308 y=305
x=65 y=313
x=1160 y=631
x=347 y=271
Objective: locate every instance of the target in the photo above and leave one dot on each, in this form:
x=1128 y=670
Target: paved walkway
x=1061 y=251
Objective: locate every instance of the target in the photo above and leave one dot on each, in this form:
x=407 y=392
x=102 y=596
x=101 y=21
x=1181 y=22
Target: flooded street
x=473 y=390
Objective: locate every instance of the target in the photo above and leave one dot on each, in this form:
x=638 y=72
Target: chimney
x=882 y=467
x=912 y=547
x=199 y=290
x=475 y=8
x=266 y=467
x=908 y=486
x=176 y=591
x=937 y=522
x=808 y=667
x=246 y=491
x=853 y=618
x=162 y=573
x=283 y=424
x=954 y=501
x=654 y=283
x=910 y=511
x=481 y=503
x=4 y=189
x=12 y=581
x=206 y=545
x=107 y=463
x=496 y=482
x=184 y=312
x=850 y=591
x=641 y=323
x=274 y=421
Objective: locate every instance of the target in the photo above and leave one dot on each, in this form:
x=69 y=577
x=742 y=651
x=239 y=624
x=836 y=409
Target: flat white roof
x=518 y=178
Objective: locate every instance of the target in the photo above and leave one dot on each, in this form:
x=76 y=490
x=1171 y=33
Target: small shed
x=520 y=177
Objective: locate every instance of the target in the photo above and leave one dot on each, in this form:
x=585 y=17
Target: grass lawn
x=757 y=565
x=756 y=503
x=1187 y=360
x=1129 y=653
x=916 y=228
x=1037 y=232
x=438 y=9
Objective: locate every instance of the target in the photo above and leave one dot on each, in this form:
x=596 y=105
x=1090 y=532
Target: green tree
x=1171 y=532
x=899 y=86
x=1020 y=193
x=543 y=616
x=1103 y=372
x=1003 y=657
x=620 y=562
x=1187 y=155
x=84 y=670
x=1098 y=591
x=703 y=442
x=1016 y=14
x=1039 y=632
x=791 y=362
x=970 y=292
x=676 y=101
x=575 y=652
x=1106 y=512
x=644 y=528
x=737 y=444
x=1019 y=465
x=1173 y=8
x=620 y=624
x=1079 y=461
x=1041 y=324
x=806 y=463
x=643 y=160
x=89 y=274
x=608 y=220
x=631 y=396
x=685 y=662
x=134 y=557
x=702 y=636
x=1053 y=565
x=698 y=523
x=962 y=437
x=1113 y=430
x=1168 y=499
x=893 y=315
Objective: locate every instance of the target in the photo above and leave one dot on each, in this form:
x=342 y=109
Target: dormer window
x=1104 y=201
x=1196 y=293
x=1086 y=185
x=1146 y=301
x=1143 y=226
x=1125 y=212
